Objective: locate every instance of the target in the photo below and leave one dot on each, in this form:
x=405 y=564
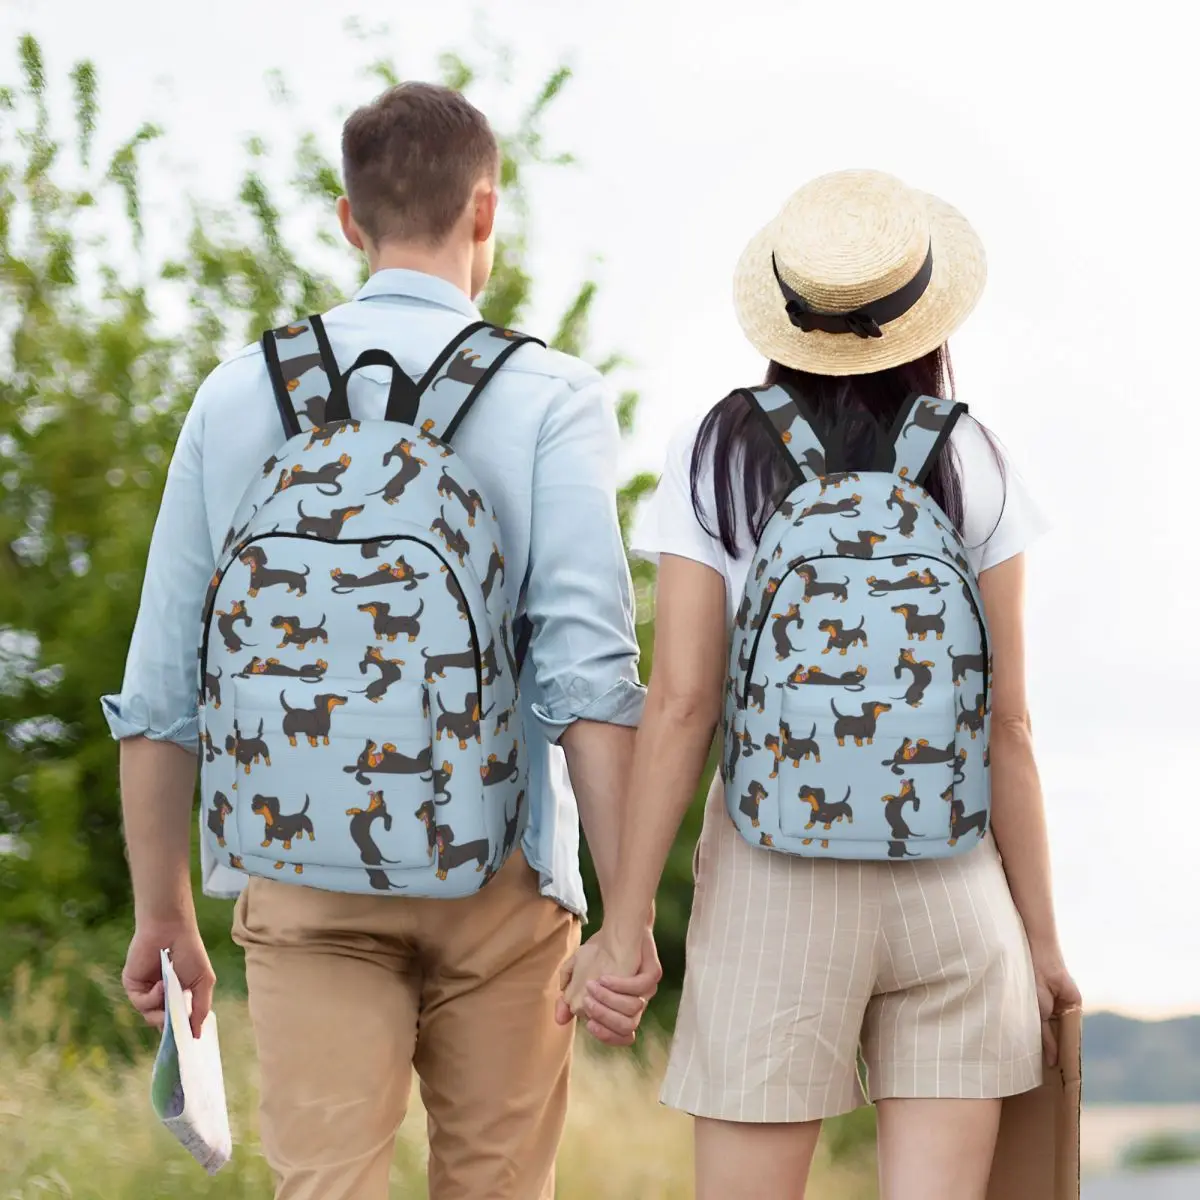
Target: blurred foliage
x=1161 y=1150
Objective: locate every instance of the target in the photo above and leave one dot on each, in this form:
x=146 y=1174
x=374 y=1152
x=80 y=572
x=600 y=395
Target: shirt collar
x=416 y=285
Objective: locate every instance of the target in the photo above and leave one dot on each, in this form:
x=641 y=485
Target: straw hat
x=857 y=273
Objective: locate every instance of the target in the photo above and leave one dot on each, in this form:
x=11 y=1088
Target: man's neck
x=446 y=262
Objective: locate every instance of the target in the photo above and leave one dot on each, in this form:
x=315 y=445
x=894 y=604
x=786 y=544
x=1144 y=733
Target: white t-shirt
x=1000 y=518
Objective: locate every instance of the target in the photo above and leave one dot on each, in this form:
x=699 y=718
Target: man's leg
x=333 y=999
x=493 y=1063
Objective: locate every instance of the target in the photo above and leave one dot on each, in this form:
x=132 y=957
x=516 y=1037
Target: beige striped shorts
x=795 y=966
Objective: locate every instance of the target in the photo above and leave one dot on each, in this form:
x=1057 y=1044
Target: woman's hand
x=1056 y=993
x=610 y=986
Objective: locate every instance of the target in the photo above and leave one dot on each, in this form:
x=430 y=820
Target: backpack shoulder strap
x=463 y=369
x=788 y=420
x=304 y=374
x=922 y=428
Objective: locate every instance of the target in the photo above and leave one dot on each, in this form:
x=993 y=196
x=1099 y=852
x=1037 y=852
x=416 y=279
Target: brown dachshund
x=893 y=810
x=283 y=827
x=497 y=770
x=456 y=542
x=326 y=478
x=450 y=856
x=471 y=501
x=410 y=468
x=263 y=667
x=221 y=808
x=752 y=801
x=389 y=673
x=264 y=576
x=842 y=639
x=391 y=625
x=826 y=813
x=309 y=723
x=960 y=823
x=295 y=634
x=247 y=752
x=322 y=434
x=859 y=726
x=920 y=625
x=226 y=621
x=387 y=760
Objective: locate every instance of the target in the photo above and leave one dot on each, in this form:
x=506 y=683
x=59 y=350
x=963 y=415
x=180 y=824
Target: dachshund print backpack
x=857 y=699
x=358 y=664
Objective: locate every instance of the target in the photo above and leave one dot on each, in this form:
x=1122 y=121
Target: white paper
x=187 y=1089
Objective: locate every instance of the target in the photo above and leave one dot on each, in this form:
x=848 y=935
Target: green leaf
x=86 y=107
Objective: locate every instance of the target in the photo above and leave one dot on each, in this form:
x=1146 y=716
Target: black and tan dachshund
x=960 y=822
x=508 y=651
x=960 y=664
x=226 y=621
x=212 y=688
x=389 y=673
x=500 y=770
x=283 y=827
x=836 y=480
x=790 y=749
x=247 y=752
x=743 y=655
x=862 y=545
x=852 y=681
x=330 y=527
x=972 y=719
x=266 y=667
x=450 y=856
x=361 y=820
x=768 y=598
x=927 y=417
x=900 y=850
x=455 y=540
x=375 y=547
x=922 y=677
x=313 y=723
x=914 y=581
x=756 y=695
x=410 y=468
x=909 y=512
x=426 y=435
x=211 y=751
x=456 y=593
x=488 y=663
x=471 y=501
x=495 y=570
x=817 y=587
x=436 y=665
x=262 y=575
x=510 y=826
x=956 y=557
x=402 y=573
x=295 y=634
x=462 y=727
x=743 y=613
x=919 y=753
x=846 y=507
x=387 y=760
x=859 y=726
x=779 y=631
x=441 y=780
x=920 y=625
x=893 y=811
x=235 y=535
x=825 y=813
x=389 y=625
x=502 y=720
x=322 y=434
x=427 y=815
x=314 y=409
x=221 y=808
x=326 y=478
x=842 y=639
x=461 y=369
x=750 y=803
x=745 y=744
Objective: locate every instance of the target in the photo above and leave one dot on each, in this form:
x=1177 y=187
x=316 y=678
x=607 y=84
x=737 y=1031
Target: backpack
x=857 y=701
x=359 y=718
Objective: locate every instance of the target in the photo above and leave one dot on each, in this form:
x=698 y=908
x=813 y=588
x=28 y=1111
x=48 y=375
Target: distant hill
x=1126 y=1061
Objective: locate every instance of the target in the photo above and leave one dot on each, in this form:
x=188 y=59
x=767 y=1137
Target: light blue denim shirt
x=542 y=440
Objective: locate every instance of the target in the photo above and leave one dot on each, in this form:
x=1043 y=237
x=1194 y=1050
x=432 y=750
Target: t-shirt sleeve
x=1000 y=517
x=666 y=522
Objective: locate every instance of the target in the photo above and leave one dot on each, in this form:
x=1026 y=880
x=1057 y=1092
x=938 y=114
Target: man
x=349 y=992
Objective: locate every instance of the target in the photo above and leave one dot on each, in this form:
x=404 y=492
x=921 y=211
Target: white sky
x=1064 y=135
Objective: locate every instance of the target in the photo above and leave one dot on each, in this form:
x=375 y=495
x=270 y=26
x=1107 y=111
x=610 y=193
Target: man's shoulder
x=533 y=359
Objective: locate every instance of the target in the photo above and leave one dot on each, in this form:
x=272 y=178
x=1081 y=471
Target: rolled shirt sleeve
x=579 y=595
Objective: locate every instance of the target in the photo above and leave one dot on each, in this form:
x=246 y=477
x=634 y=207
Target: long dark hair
x=749 y=469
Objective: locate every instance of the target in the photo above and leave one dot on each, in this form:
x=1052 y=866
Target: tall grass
x=77 y=1123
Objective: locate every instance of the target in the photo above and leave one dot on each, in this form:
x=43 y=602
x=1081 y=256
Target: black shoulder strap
x=304 y=374
x=923 y=426
x=786 y=417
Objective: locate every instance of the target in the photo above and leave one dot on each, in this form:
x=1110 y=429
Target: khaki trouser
x=349 y=993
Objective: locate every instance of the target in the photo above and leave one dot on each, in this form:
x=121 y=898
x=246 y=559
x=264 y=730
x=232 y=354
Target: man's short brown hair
x=410 y=160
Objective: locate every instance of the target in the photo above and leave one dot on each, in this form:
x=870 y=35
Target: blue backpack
x=858 y=696
x=359 y=717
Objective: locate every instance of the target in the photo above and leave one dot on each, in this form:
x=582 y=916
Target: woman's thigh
x=753 y=1161
x=936 y=1149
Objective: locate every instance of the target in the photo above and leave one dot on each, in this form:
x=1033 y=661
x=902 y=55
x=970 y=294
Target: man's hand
x=142 y=977
x=610 y=990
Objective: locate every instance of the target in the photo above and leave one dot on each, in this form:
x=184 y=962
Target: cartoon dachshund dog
x=920 y=625
x=922 y=677
x=235 y=535
x=960 y=664
x=847 y=507
x=752 y=801
x=361 y=820
x=427 y=435
x=402 y=572
x=742 y=743
x=508 y=654
x=909 y=512
x=779 y=630
x=971 y=719
x=450 y=856
x=920 y=753
x=211 y=752
x=330 y=527
x=471 y=501
x=842 y=639
x=263 y=667
x=900 y=850
x=768 y=598
x=461 y=369
x=226 y=622
x=913 y=581
x=495 y=570
x=837 y=479
x=460 y=601
x=743 y=613
x=438 y=664
x=852 y=681
x=927 y=417
x=427 y=815
x=958 y=559
x=264 y=576
x=326 y=478
x=389 y=673
x=756 y=695
x=815 y=587
x=295 y=634
x=488 y=664
x=462 y=727
x=410 y=468
x=387 y=760
x=323 y=434
x=795 y=749
x=772 y=741
x=861 y=546
x=235 y=862
x=893 y=811
x=455 y=541
x=743 y=652
x=391 y=626
x=497 y=770
x=510 y=826
x=826 y=814
x=375 y=547
x=283 y=827
x=246 y=751
x=859 y=726
x=309 y=723
x=212 y=688
x=781 y=419
x=502 y=720
x=960 y=823
x=221 y=808
x=765 y=839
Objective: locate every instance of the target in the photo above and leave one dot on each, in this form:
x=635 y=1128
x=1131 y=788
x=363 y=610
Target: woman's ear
x=350 y=230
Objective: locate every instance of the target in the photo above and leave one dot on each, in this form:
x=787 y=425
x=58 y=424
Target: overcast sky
x=1066 y=138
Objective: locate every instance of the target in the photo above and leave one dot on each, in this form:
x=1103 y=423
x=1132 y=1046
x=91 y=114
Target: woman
x=941 y=967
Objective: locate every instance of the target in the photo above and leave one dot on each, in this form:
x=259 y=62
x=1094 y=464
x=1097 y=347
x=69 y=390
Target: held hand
x=1056 y=993
x=142 y=976
x=609 y=988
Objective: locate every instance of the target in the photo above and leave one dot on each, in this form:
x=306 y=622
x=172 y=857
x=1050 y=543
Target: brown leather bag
x=1037 y=1153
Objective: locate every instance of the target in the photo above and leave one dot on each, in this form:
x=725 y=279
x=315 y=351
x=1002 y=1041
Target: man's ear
x=487 y=197
x=350 y=231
